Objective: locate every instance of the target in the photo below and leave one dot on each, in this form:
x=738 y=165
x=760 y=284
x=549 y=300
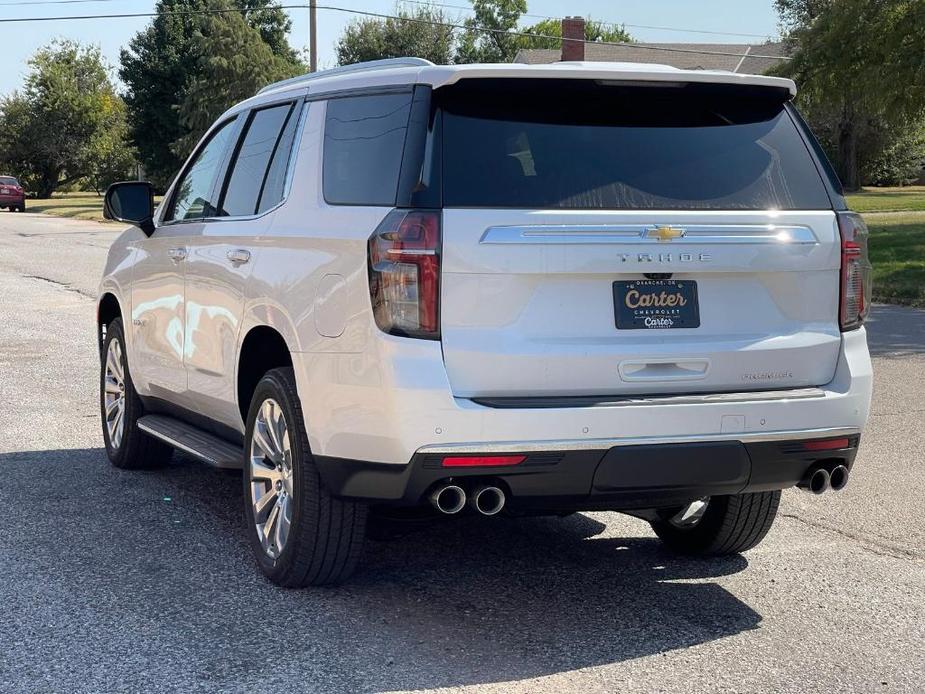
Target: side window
x=274 y=186
x=364 y=137
x=192 y=195
x=262 y=138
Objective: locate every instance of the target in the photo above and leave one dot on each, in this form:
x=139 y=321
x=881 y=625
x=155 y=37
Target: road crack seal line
x=894 y=414
x=882 y=547
x=63 y=285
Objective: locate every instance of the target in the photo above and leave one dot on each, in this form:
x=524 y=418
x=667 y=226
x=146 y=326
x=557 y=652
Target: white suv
x=400 y=287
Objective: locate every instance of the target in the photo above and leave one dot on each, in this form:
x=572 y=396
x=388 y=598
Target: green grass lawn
x=909 y=199
x=896 y=217
x=81 y=205
x=897 y=251
x=72 y=205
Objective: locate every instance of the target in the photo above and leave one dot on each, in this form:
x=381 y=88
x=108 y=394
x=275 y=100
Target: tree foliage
x=164 y=66
x=594 y=31
x=111 y=156
x=860 y=66
x=232 y=63
x=67 y=122
x=898 y=160
x=417 y=33
x=488 y=38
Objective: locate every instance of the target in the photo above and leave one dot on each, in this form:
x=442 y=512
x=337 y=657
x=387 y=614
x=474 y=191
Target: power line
x=465 y=8
x=378 y=15
x=22 y=3
x=545 y=36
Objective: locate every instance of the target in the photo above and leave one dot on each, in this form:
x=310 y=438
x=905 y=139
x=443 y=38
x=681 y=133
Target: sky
x=756 y=18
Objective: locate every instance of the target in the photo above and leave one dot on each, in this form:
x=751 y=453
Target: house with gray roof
x=751 y=58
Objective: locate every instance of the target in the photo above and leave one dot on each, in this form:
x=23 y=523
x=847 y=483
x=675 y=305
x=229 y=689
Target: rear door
x=613 y=239
x=222 y=257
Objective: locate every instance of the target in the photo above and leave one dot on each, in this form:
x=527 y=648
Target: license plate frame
x=671 y=304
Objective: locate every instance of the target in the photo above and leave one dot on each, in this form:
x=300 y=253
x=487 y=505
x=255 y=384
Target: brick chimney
x=573 y=38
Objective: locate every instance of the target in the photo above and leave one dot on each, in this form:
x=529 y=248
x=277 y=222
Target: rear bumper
x=6 y=200
x=627 y=475
x=392 y=400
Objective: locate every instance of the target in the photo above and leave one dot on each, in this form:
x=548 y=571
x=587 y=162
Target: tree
x=110 y=156
x=497 y=44
x=860 y=66
x=420 y=32
x=594 y=31
x=232 y=63
x=798 y=14
x=272 y=23
x=899 y=160
x=64 y=126
x=161 y=63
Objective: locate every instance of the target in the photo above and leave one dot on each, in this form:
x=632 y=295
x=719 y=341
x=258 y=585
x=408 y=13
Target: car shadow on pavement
x=895 y=331
x=163 y=555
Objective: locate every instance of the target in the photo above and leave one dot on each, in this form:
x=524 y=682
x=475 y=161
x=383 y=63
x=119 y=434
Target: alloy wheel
x=114 y=393
x=271 y=478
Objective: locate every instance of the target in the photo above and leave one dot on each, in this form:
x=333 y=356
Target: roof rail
x=367 y=66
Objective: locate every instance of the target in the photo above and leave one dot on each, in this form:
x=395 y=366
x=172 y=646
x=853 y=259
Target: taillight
x=404 y=273
x=854 y=304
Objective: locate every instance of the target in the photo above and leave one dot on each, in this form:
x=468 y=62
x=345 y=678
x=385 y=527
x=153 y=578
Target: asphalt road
x=142 y=581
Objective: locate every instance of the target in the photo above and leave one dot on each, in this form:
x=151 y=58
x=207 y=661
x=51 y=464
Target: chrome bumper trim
x=547 y=402
x=604 y=444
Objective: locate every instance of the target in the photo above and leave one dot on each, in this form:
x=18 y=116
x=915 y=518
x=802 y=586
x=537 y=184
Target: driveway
x=141 y=581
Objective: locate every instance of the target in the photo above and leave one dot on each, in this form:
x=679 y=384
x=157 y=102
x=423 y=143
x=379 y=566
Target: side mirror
x=131 y=202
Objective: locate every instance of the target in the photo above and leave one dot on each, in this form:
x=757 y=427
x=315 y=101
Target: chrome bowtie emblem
x=665 y=233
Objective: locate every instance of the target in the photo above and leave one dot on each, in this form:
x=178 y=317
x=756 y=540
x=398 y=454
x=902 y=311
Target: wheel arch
x=262 y=349
x=108 y=309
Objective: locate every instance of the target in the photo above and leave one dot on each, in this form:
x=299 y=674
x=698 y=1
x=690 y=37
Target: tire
x=313 y=539
x=132 y=449
x=729 y=525
x=21 y=208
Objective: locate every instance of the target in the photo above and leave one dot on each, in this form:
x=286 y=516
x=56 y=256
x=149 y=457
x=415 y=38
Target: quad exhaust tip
x=448 y=498
x=838 y=478
x=816 y=481
x=820 y=479
x=487 y=500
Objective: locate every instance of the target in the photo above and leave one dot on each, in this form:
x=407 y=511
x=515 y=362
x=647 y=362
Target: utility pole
x=312 y=36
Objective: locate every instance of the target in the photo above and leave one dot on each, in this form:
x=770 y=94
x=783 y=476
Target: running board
x=185 y=437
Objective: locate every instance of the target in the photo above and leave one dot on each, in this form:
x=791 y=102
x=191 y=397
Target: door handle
x=239 y=256
x=176 y=254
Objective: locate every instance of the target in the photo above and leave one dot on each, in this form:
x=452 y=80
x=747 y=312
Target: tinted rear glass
x=8 y=181
x=249 y=169
x=557 y=144
x=364 y=137
x=273 y=187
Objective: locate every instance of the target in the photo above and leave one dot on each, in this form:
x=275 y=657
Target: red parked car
x=12 y=195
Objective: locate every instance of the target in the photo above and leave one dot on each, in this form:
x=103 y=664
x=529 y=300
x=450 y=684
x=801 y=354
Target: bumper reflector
x=484 y=461
x=827 y=444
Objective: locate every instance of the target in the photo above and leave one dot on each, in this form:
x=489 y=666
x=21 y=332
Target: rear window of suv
x=590 y=145
x=364 y=139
